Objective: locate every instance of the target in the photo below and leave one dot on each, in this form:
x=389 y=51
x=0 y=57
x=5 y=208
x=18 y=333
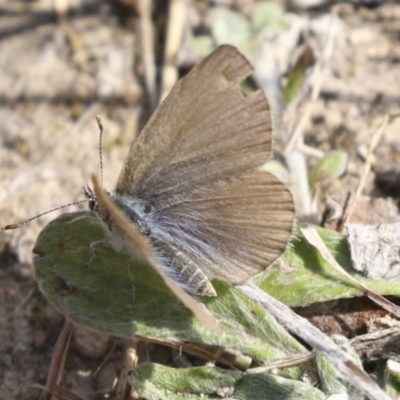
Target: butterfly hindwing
x=232 y=229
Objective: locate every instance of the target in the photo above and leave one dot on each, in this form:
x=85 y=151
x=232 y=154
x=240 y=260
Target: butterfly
x=191 y=199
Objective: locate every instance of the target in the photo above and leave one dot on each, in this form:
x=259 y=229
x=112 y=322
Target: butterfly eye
x=92 y=205
x=92 y=199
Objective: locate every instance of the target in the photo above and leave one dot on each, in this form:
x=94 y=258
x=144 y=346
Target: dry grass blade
x=58 y=358
x=293 y=147
x=176 y=23
x=318 y=76
x=374 y=142
x=123 y=389
x=189 y=349
x=315 y=338
x=297 y=359
x=315 y=240
x=147 y=39
x=61 y=393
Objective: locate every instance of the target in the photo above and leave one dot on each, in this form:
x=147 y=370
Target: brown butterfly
x=191 y=199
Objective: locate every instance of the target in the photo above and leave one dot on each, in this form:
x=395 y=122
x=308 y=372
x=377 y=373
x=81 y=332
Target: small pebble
x=90 y=344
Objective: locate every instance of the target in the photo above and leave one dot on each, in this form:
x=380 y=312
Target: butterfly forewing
x=205 y=130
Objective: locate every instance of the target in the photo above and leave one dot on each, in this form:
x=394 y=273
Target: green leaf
x=88 y=280
x=268 y=15
x=201 y=45
x=154 y=380
x=332 y=382
x=297 y=74
x=392 y=377
x=294 y=83
x=230 y=27
x=264 y=386
x=302 y=277
x=332 y=165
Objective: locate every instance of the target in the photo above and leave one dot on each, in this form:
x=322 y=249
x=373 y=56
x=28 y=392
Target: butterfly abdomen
x=180 y=268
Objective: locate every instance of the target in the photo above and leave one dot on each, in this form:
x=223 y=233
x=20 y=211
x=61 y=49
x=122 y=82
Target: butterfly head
x=91 y=197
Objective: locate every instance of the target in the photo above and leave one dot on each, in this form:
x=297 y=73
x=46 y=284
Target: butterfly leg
x=92 y=250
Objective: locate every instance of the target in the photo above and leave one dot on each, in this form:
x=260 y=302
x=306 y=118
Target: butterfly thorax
x=131 y=209
x=173 y=260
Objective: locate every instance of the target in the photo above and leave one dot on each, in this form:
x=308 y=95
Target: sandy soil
x=58 y=73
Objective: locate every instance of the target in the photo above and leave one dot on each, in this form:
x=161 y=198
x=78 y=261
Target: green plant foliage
x=96 y=286
x=246 y=34
x=87 y=279
x=332 y=165
x=103 y=289
x=268 y=16
x=302 y=277
x=202 y=45
x=392 y=378
x=294 y=83
x=331 y=381
x=230 y=27
x=157 y=381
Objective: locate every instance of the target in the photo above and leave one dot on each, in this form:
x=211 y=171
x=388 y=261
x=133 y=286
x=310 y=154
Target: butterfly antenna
x=98 y=119
x=88 y=193
x=14 y=226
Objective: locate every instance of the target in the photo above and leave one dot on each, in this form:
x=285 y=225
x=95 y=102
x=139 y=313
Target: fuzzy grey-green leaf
x=332 y=165
x=302 y=277
x=154 y=380
x=88 y=280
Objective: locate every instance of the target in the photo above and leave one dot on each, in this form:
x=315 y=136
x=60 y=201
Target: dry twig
x=367 y=167
x=176 y=24
x=147 y=38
